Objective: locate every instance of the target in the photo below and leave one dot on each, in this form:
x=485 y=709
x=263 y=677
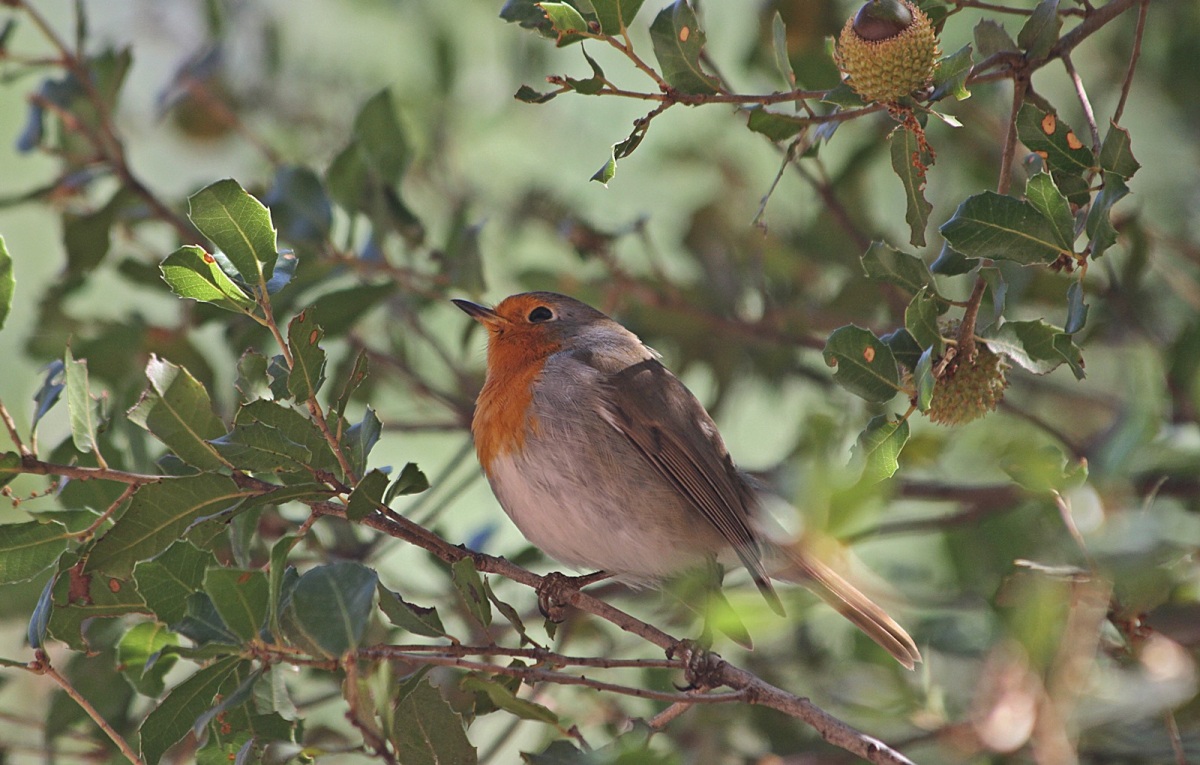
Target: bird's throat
x=503 y=412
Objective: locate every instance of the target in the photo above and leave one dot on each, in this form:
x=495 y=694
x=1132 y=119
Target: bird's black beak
x=479 y=313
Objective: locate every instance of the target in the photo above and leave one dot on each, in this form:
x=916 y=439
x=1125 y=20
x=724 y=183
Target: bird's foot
x=701 y=667
x=552 y=592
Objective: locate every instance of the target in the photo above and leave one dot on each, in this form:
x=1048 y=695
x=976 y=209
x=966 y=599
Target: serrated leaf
x=329 y=608
x=308 y=357
x=407 y=616
x=8 y=283
x=28 y=549
x=173 y=718
x=921 y=321
x=176 y=408
x=137 y=647
x=991 y=38
x=1040 y=32
x=292 y=426
x=1077 y=310
x=950 y=76
x=194 y=274
x=615 y=16
x=678 y=42
x=83 y=409
x=470 y=587
x=367 y=495
x=504 y=698
x=1054 y=140
x=990 y=225
x=1100 y=230
x=909 y=163
x=879 y=446
x=239 y=225
x=166 y=581
x=410 y=481
x=1030 y=344
x=1045 y=197
x=865 y=365
x=241 y=597
x=158 y=515
x=427 y=731
x=884 y=264
x=1116 y=154
x=566 y=22
x=257 y=448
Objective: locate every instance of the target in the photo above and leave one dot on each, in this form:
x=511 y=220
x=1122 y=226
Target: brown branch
x=1138 y=33
x=33 y=466
x=1084 y=102
x=11 y=426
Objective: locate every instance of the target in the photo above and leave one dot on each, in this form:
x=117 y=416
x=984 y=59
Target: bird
x=604 y=460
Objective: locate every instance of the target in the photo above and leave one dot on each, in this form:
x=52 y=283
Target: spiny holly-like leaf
x=1035 y=345
x=615 y=15
x=367 y=495
x=7 y=282
x=194 y=274
x=79 y=597
x=879 y=447
x=177 y=410
x=884 y=264
x=157 y=516
x=991 y=225
x=910 y=162
x=1044 y=195
x=1053 y=140
x=1100 y=230
x=678 y=42
x=427 y=731
x=568 y=25
x=239 y=225
x=950 y=77
x=991 y=38
x=1041 y=29
x=865 y=365
x=1116 y=155
x=308 y=357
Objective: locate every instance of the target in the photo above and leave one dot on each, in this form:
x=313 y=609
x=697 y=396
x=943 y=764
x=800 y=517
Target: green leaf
x=300 y=206
x=844 y=96
x=909 y=163
x=775 y=126
x=950 y=76
x=1030 y=344
x=87 y=236
x=193 y=274
x=608 y=170
x=1116 y=155
x=507 y=611
x=1054 y=140
x=158 y=514
x=382 y=139
x=275 y=579
x=361 y=438
x=1040 y=32
x=427 y=731
x=172 y=719
x=921 y=321
x=470 y=587
x=1077 y=310
x=137 y=647
x=990 y=225
x=367 y=495
x=329 y=608
x=904 y=347
x=39 y=620
x=505 y=699
x=865 y=365
x=28 y=549
x=240 y=597
x=291 y=426
x=615 y=16
x=257 y=448
x=568 y=25
x=10 y=467
x=358 y=374
x=1045 y=197
x=991 y=38
x=924 y=379
x=83 y=408
x=203 y=625
x=1099 y=227
x=530 y=96
x=79 y=597
x=239 y=225
x=879 y=447
x=1043 y=470
x=8 y=283
x=678 y=42
x=177 y=410
x=308 y=358
x=407 y=616
x=410 y=481
x=166 y=581
x=950 y=262
x=779 y=49
x=884 y=264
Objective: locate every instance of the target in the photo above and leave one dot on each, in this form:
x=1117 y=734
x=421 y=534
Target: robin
x=605 y=460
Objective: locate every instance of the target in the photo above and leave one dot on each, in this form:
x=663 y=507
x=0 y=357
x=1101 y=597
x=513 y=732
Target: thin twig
x=41 y=666
x=1084 y=102
x=5 y=415
x=130 y=490
x=1138 y=33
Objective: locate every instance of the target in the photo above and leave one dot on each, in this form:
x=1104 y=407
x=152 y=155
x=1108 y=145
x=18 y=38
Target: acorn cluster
x=970 y=389
x=887 y=50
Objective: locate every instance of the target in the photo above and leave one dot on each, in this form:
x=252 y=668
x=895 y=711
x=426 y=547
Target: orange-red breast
x=604 y=460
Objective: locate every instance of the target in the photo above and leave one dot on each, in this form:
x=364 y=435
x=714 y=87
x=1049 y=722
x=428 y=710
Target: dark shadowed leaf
x=1077 y=310
x=410 y=617
x=336 y=312
x=1040 y=31
x=470 y=587
x=777 y=127
x=884 y=264
x=166 y=581
x=172 y=719
x=991 y=38
x=329 y=608
x=1099 y=227
x=300 y=206
x=240 y=597
x=909 y=163
x=410 y=481
x=1116 y=154
x=367 y=495
x=950 y=262
x=990 y=225
x=1054 y=140
x=864 y=364
x=904 y=347
x=504 y=698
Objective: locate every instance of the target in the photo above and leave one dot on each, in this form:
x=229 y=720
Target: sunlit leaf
x=991 y=225
x=865 y=365
x=176 y=408
x=879 y=447
x=239 y=225
x=678 y=42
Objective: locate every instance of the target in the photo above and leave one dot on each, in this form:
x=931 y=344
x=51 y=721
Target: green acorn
x=887 y=50
x=970 y=389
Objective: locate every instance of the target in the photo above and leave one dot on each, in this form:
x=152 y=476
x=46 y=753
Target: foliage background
x=501 y=189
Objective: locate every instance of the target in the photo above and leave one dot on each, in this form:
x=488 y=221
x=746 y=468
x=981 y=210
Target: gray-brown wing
x=689 y=453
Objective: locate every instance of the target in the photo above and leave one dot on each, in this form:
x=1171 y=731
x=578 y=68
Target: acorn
x=887 y=50
x=970 y=389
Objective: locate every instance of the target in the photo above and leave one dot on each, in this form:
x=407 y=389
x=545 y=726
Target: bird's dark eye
x=540 y=314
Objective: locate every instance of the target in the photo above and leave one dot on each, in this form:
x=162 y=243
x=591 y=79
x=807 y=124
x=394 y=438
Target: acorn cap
x=887 y=50
x=970 y=390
